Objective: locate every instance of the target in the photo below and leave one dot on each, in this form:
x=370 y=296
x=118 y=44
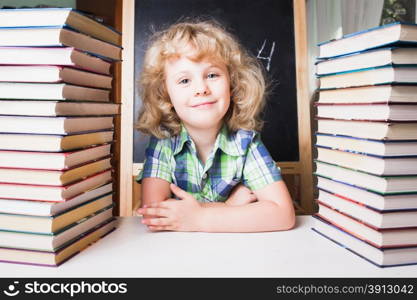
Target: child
x=202 y=95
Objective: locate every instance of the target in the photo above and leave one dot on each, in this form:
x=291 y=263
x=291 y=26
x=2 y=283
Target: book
x=56 y=36
x=370 y=112
x=53 y=193
x=370 y=94
x=381 y=257
x=54 y=177
x=44 y=208
x=375 y=147
x=56 y=258
x=368 y=59
x=381 y=238
x=53 y=143
x=390 y=34
x=27 y=17
x=52 y=242
x=53 y=125
x=377 y=165
x=377 y=130
x=57 y=108
x=379 y=184
x=368 y=197
x=370 y=76
x=53 y=224
x=52 y=160
x=61 y=56
x=370 y=216
x=51 y=91
x=53 y=74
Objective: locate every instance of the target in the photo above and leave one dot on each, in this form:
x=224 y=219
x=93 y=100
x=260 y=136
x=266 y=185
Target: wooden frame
x=304 y=166
x=127 y=189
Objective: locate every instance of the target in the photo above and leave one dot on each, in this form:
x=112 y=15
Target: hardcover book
x=368 y=197
x=61 y=56
x=379 y=184
x=53 y=224
x=386 y=35
x=370 y=112
x=377 y=165
x=53 y=193
x=56 y=258
x=56 y=36
x=41 y=17
x=54 y=74
x=53 y=143
x=381 y=238
x=370 y=94
x=44 y=208
x=371 y=76
x=375 y=218
x=375 y=147
x=368 y=59
x=54 y=125
x=52 y=160
x=57 y=108
x=51 y=91
x=54 y=177
x=53 y=241
x=378 y=130
x=381 y=257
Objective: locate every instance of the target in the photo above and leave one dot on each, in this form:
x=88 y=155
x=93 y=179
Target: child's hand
x=177 y=215
x=241 y=195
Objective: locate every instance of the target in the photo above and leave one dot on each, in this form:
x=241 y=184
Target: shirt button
x=205 y=176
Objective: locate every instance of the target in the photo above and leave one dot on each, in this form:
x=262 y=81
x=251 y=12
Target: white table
x=132 y=251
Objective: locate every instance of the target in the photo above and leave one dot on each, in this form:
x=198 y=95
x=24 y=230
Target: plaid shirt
x=236 y=158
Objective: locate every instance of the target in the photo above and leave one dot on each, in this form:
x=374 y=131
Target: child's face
x=199 y=91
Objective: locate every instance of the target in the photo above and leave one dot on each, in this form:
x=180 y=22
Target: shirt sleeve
x=157 y=161
x=260 y=169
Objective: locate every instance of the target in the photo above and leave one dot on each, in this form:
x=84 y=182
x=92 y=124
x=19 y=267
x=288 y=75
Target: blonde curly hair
x=157 y=115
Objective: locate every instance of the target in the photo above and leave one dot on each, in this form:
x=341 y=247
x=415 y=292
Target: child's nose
x=201 y=88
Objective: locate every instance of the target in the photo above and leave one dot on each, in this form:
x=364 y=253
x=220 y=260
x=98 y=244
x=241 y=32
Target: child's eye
x=212 y=75
x=184 y=81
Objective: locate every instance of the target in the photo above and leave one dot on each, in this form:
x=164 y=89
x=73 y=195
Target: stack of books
x=366 y=164
x=56 y=133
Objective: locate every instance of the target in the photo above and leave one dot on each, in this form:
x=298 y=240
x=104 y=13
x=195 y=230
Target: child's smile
x=199 y=91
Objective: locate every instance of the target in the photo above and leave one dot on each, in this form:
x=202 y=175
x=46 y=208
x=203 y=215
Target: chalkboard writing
x=265 y=28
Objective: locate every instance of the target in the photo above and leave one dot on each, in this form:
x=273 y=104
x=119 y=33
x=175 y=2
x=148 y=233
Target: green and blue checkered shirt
x=238 y=157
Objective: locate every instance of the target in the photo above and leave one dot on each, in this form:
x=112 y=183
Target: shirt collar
x=227 y=142
x=180 y=140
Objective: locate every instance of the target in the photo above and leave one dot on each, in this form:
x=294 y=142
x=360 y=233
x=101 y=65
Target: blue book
x=381 y=148
x=389 y=56
x=377 y=165
x=390 y=74
x=46 y=17
x=383 y=185
x=371 y=112
x=386 y=93
x=382 y=202
x=381 y=36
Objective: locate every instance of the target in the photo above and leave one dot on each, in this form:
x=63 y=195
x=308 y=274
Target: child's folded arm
x=273 y=211
x=154 y=190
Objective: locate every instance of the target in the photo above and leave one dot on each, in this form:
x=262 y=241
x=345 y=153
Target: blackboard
x=264 y=27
